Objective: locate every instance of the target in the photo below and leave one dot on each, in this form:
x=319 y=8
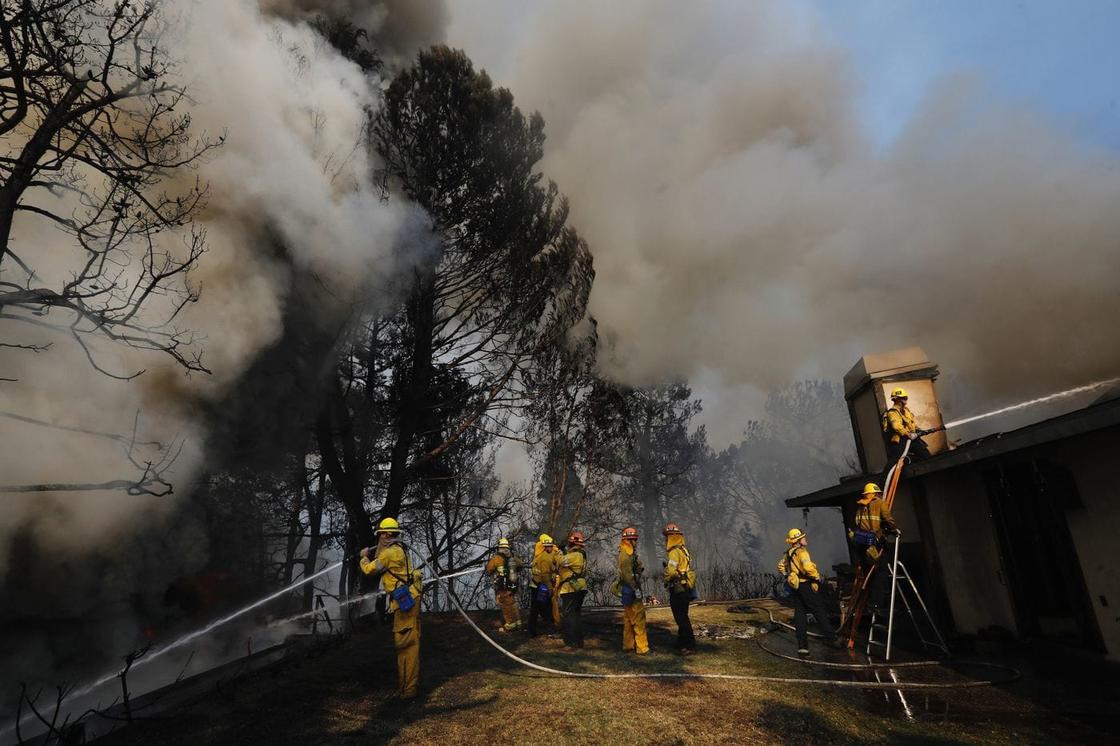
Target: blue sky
x=1060 y=58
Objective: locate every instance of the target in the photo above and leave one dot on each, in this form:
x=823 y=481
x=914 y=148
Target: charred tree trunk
x=345 y=471
x=647 y=488
x=414 y=404
x=314 y=502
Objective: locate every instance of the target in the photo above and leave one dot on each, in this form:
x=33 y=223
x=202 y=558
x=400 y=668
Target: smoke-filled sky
x=773 y=189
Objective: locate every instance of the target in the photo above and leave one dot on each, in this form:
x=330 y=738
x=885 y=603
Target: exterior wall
x=1094 y=528
x=867 y=423
x=968 y=551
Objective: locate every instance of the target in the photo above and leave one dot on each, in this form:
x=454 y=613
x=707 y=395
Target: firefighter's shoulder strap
x=886 y=419
x=408 y=571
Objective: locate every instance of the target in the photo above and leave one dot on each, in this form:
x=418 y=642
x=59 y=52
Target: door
x=1029 y=500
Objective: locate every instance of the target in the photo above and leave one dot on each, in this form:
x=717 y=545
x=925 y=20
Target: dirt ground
x=341 y=691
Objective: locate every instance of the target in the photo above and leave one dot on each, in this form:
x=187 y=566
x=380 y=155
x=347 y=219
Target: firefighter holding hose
x=680 y=580
x=805 y=584
x=900 y=426
x=403 y=585
x=502 y=569
x=573 y=588
x=630 y=588
x=872 y=523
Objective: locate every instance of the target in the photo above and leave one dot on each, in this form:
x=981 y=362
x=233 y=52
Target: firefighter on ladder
x=403 y=585
x=680 y=580
x=630 y=589
x=900 y=426
x=502 y=569
x=573 y=588
x=805 y=584
x=872 y=522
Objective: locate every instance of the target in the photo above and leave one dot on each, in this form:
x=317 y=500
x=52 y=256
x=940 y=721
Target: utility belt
x=863 y=538
x=575 y=576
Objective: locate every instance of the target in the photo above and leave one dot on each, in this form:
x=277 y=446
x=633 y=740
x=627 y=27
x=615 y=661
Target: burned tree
x=96 y=154
x=509 y=277
x=647 y=441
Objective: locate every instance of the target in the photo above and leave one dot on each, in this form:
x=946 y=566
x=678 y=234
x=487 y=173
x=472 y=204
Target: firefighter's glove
x=913 y=436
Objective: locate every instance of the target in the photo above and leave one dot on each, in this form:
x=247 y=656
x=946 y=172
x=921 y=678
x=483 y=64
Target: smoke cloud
x=746 y=233
x=292 y=201
x=396 y=28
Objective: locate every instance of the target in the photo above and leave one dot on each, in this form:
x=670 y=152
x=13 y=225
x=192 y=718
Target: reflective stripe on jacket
x=395 y=569
x=629 y=566
x=678 y=567
x=571 y=572
x=899 y=423
x=796 y=565
x=874 y=516
x=545 y=565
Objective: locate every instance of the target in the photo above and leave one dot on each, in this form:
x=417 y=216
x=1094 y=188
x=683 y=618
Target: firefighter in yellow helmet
x=630 y=588
x=871 y=524
x=502 y=569
x=546 y=563
x=573 y=589
x=805 y=585
x=680 y=580
x=900 y=426
x=403 y=585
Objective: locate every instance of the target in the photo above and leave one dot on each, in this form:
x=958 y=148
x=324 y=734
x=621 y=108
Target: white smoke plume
x=746 y=233
x=293 y=174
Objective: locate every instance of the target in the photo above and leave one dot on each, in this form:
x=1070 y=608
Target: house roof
x=1102 y=414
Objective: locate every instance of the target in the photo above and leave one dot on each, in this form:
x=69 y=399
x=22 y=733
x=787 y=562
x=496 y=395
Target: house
x=1016 y=530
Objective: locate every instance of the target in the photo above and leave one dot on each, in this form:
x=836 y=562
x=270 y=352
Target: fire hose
x=700 y=675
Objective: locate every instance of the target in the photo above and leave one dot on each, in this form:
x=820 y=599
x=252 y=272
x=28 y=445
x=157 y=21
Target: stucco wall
x=1095 y=528
x=968 y=551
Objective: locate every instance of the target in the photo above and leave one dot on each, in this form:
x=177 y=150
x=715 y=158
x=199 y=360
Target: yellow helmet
x=795 y=535
x=389 y=526
x=871 y=489
x=503 y=543
x=546 y=540
x=899 y=394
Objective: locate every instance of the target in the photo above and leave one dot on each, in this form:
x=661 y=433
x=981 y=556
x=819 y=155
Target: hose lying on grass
x=727 y=676
x=1013 y=673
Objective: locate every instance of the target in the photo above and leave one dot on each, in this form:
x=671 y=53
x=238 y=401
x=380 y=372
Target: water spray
x=1032 y=402
x=234 y=615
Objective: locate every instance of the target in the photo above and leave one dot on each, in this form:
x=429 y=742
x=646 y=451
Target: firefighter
x=403 y=586
x=630 y=588
x=502 y=569
x=546 y=563
x=805 y=584
x=872 y=523
x=680 y=580
x=573 y=588
x=900 y=426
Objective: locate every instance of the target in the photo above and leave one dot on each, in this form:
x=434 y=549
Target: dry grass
x=343 y=694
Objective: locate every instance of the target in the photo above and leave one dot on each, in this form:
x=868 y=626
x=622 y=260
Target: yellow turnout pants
x=406 y=639
x=508 y=604
x=634 y=628
x=555 y=598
